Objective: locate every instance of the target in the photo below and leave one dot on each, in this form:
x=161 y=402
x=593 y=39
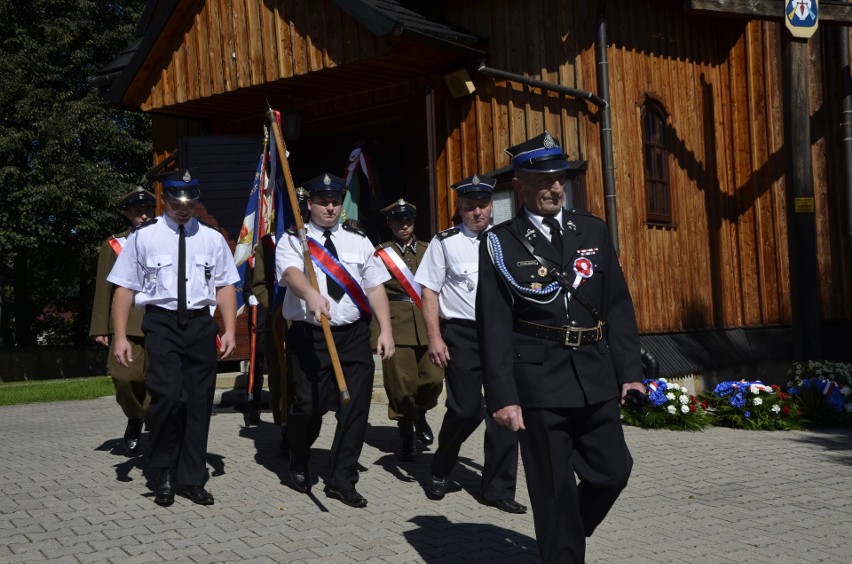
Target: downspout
x=536 y=83
x=607 y=160
x=846 y=124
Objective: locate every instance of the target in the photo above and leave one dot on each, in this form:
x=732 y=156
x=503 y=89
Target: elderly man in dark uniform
x=351 y=284
x=449 y=276
x=130 y=390
x=560 y=348
x=177 y=269
x=412 y=382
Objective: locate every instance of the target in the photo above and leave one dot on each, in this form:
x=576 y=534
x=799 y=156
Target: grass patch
x=13 y=393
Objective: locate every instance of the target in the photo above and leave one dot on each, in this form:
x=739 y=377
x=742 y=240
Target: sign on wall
x=802 y=17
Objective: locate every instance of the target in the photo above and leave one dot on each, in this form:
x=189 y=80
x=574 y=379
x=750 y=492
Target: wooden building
x=433 y=91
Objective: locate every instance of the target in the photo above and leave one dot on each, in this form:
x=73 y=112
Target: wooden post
x=801 y=223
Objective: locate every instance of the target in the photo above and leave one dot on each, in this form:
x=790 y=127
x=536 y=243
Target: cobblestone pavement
x=67 y=494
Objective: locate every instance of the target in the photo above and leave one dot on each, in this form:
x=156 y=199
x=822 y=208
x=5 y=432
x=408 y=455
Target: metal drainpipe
x=846 y=124
x=607 y=160
x=536 y=83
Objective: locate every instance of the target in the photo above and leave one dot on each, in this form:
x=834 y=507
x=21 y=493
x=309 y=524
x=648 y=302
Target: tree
x=65 y=157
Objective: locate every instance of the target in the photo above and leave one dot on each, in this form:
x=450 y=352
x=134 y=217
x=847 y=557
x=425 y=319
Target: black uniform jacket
x=537 y=373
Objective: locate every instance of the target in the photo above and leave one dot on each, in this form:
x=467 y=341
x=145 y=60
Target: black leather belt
x=568 y=336
x=470 y=324
x=399 y=298
x=190 y=314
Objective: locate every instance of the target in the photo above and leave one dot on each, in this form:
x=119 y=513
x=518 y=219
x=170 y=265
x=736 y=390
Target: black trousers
x=466 y=410
x=182 y=382
x=558 y=443
x=316 y=393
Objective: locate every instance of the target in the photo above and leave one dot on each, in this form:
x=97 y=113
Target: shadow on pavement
x=437 y=539
x=467 y=473
x=836 y=441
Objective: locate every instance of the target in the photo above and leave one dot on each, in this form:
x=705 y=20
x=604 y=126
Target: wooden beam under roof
x=829 y=12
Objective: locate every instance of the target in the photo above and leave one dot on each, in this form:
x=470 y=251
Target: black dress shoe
x=436 y=487
x=164 y=494
x=424 y=432
x=348 y=496
x=301 y=480
x=132 y=436
x=196 y=494
x=507 y=505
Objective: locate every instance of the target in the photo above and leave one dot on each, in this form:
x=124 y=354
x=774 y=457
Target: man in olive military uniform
x=412 y=382
x=130 y=390
x=560 y=348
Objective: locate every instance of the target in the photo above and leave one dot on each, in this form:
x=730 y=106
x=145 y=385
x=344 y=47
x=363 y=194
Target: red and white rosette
x=583 y=269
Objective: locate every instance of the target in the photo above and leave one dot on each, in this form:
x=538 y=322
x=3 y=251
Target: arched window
x=656 y=157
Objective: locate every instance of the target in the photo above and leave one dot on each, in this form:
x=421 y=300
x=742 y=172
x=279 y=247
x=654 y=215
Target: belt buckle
x=569 y=342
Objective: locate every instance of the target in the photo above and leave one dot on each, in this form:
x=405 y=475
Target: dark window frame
x=655 y=161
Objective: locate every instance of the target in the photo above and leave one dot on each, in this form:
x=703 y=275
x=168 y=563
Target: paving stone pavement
x=67 y=494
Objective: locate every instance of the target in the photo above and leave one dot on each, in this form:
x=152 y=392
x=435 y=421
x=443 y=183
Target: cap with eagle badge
x=181 y=186
x=325 y=183
x=400 y=209
x=539 y=154
x=137 y=197
x=476 y=187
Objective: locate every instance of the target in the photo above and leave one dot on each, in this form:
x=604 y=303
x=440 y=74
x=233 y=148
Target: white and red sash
x=117 y=243
x=337 y=272
x=397 y=267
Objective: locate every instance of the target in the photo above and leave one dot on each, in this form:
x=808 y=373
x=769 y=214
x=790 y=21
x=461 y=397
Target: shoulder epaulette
x=120 y=234
x=385 y=245
x=291 y=231
x=577 y=211
x=448 y=232
x=354 y=227
x=144 y=224
x=215 y=228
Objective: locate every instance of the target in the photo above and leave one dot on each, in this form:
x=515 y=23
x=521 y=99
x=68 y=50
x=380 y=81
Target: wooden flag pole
x=306 y=253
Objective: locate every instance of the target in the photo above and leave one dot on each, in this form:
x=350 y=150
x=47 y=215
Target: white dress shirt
x=450 y=267
x=356 y=254
x=148 y=264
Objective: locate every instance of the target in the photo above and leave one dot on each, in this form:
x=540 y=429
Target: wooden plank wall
x=724 y=261
x=225 y=45
x=534 y=37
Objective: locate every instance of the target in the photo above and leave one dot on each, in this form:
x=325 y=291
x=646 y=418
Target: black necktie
x=555 y=233
x=182 y=317
x=334 y=289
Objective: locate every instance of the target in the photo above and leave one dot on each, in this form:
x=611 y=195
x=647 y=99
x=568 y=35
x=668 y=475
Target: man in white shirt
x=351 y=289
x=448 y=277
x=177 y=269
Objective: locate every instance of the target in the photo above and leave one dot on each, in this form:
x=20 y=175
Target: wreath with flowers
x=752 y=405
x=824 y=391
x=671 y=407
